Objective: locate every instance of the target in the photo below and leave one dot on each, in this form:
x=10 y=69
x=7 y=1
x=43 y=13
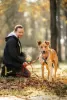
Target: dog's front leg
x=50 y=70
x=55 y=70
x=43 y=71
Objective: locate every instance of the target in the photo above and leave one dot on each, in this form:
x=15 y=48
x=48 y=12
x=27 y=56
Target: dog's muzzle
x=43 y=52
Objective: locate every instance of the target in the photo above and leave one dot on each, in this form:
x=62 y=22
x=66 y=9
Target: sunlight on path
x=45 y=97
x=10 y=98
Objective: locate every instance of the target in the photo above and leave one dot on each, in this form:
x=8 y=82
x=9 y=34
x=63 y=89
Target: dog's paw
x=43 y=79
x=50 y=79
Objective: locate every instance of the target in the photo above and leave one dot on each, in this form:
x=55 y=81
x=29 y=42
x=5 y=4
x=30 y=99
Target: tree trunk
x=59 y=30
x=66 y=43
x=46 y=35
x=65 y=11
x=53 y=24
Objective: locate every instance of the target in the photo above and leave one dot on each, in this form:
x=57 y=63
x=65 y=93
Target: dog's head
x=43 y=46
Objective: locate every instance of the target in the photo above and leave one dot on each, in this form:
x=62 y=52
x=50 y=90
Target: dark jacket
x=12 y=53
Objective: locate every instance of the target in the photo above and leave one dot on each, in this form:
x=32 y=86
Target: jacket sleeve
x=13 y=52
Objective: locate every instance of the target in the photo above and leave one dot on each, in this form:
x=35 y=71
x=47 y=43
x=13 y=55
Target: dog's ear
x=47 y=42
x=39 y=43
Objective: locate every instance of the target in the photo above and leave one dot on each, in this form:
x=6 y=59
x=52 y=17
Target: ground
x=34 y=88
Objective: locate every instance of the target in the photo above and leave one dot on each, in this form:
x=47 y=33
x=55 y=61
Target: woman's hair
x=17 y=26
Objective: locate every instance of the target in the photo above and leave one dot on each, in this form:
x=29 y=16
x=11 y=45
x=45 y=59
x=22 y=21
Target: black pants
x=10 y=70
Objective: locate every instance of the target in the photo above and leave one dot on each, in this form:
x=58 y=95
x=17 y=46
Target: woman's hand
x=25 y=64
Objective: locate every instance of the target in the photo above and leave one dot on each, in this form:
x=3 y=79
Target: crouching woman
x=13 y=58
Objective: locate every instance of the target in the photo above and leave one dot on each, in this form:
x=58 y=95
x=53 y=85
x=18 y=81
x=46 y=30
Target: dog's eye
x=45 y=46
x=41 y=47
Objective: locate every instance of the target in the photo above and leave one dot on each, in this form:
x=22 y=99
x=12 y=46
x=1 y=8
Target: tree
x=64 y=6
x=53 y=8
x=59 y=29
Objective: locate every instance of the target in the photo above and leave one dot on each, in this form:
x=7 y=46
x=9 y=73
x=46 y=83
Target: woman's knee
x=26 y=73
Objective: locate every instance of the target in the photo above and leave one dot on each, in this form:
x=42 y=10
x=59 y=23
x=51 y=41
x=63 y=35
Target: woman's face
x=20 y=32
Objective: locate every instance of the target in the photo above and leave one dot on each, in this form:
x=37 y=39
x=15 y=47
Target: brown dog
x=48 y=57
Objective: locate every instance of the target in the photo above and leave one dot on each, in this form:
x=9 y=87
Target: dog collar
x=45 y=60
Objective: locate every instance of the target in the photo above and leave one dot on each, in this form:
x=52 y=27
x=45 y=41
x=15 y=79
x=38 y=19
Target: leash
x=31 y=62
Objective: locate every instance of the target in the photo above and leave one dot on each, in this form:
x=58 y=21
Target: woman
x=13 y=58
